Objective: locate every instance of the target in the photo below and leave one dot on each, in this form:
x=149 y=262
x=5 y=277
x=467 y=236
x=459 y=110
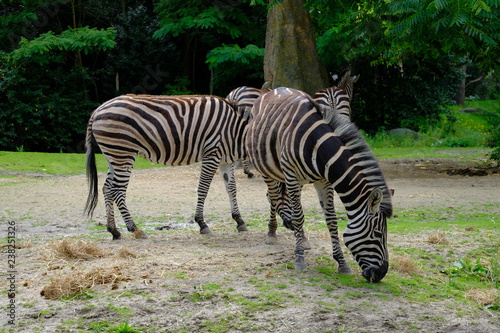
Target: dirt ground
x=163 y=283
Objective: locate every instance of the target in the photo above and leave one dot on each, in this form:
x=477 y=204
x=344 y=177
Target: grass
x=74 y=164
x=454 y=128
x=468 y=154
x=56 y=163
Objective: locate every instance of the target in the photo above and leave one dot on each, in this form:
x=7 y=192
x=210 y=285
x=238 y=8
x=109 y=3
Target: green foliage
x=141 y=64
x=250 y=54
x=54 y=77
x=407 y=53
x=41 y=111
x=104 y=326
x=179 y=17
x=230 y=61
x=85 y=39
x=407 y=96
x=389 y=32
x=210 y=33
x=60 y=59
x=464 y=28
x=465 y=266
x=179 y=87
x=495 y=155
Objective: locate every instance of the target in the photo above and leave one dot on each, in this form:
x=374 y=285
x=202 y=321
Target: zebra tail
x=91 y=171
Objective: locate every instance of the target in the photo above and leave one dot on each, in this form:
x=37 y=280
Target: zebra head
x=366 y=237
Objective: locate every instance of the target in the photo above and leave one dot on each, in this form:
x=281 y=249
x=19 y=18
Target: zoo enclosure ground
x=180 y=281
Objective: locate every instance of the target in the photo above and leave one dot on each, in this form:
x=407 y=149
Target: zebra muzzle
x=374 y=274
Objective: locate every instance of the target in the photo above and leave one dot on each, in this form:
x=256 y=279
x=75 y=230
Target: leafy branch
x=83 y=39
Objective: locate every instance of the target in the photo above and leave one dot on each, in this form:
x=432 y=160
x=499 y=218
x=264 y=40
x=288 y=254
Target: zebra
x=170 y=130
x=242 y=99
x=333 y=100
x=337 y=99
x=346 y=82
x=289 y=142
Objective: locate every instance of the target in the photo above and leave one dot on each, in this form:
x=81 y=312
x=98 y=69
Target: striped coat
x=289 y=142
x=170 y=130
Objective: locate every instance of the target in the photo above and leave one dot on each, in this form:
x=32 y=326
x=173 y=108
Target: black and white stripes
x=170 y=130
x=288 y=141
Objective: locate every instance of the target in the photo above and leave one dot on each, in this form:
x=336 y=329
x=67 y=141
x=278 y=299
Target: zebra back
x=333 y=100
x=242 y=99
x=170 y=130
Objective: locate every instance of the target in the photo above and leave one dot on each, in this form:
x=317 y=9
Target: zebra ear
x=335 y=77
x=375 y=199
x=355 y=78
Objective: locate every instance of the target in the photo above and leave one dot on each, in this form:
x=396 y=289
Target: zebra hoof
x=205 y=231
x=345 y=270
x=305 y=244
x=139 y=234
x=271 y=239
x=242 y=227
x=300 y=264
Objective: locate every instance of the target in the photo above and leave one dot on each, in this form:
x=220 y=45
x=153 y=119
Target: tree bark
x=291 y=57
x=460 y=94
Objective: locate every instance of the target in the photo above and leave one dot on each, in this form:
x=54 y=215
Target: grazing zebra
x=289 y=142
x=242 y=99
x=170 y=130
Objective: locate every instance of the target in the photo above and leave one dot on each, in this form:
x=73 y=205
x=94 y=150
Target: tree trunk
x=460 y=94
x=291 y=58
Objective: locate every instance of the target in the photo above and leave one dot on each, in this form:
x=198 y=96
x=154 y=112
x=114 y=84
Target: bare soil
x=179 y=280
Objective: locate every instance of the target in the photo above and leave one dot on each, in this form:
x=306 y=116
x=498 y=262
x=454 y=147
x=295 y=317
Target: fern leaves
x=465 y=27
x=234 y=54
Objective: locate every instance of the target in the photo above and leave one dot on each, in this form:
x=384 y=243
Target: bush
x=411 y=96
x=41 y=112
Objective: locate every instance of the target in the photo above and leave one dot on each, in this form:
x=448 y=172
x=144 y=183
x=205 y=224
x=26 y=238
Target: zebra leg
x=208 y=167
x=107 y=190
x=227 y=171
x=294 y=188
x=114 y=190
x=273 y=196
x=326 y=195
x=246 y=169
x=283 y=207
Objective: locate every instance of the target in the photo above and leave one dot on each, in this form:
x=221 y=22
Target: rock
x=403 y=132
x=470 y=110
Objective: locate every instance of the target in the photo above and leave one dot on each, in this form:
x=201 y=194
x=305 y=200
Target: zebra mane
x=350 y=135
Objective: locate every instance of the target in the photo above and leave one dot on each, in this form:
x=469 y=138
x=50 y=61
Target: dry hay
x=482 y=296
x=123 y=252
x=70 y=284
x=75 y=249
x=438 y=238
x=404 y=265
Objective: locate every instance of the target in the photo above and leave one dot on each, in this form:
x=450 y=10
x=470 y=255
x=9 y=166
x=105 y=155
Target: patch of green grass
x=468 y=154
x=122 y=311
x=417 y=220
x=81 y=295
x=105 y=326
x=57 y=163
